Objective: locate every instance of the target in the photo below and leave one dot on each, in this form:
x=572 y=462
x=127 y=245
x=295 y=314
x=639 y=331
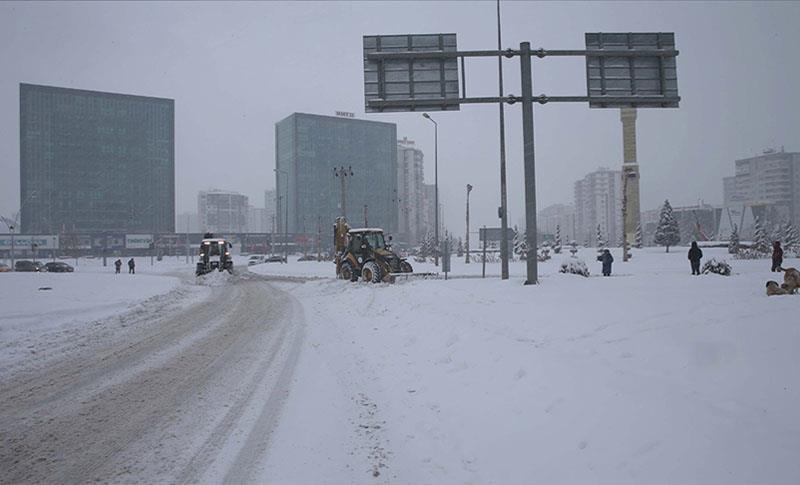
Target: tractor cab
x=364 y=253
x=215 y=254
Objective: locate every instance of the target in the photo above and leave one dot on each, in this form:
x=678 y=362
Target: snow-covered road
x=174 y=390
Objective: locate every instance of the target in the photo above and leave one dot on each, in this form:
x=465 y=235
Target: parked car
x=28 y=266
x=307 y=257
x=59 y=267
x=256 y=259
x=275 y=259
x=4 y=268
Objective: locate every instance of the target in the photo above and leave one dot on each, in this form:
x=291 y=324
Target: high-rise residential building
x=598 y=201
x=308 y=149
x=768 y=185
x=93 y=162
x=257 y=220
x=270 y=209
x=410 y=197
x=222 y=211
x=561 y=216
x=428 y=213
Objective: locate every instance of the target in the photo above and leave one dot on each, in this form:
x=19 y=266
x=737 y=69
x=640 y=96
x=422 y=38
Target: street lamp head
x=426 y=115
x=469 y=188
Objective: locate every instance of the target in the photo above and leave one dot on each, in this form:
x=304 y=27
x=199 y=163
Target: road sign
x=408 y=80
x=495 y=234
x=641 y=64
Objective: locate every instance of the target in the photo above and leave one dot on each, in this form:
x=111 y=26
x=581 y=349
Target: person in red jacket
x=777 y=256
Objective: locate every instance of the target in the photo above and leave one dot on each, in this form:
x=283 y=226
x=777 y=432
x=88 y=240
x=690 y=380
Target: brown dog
x=791 y=279
x=773 y=289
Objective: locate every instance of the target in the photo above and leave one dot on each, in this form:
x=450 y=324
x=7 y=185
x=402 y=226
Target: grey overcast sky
x=234 y=69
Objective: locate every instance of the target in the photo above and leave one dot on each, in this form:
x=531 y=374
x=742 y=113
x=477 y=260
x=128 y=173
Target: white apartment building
x=598 y=201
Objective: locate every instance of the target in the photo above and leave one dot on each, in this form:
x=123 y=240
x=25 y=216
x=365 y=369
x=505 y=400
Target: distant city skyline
x=737 y=75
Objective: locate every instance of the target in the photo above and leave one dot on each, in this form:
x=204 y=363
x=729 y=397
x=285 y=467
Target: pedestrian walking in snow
x=695 y=255
x=131 y=266
x=607 y=259
x=117 y=266
x=777 y=256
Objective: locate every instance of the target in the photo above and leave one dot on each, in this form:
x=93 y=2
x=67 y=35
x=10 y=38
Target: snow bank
x=649 y=376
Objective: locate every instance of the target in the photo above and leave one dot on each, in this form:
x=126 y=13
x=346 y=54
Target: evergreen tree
x=601 y=243
x=792 y=239
x=760 y=239
x=733 y=241
x=460 y=250
x=520 y=245
x=639 y=240
x=667 y=232
x=557 y=246
x=426 y=247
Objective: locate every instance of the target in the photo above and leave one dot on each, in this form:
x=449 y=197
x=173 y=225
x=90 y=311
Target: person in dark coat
x=131 y=266
x=695 y=255
x=117 y=265
x=777 y=256
x=607 y=259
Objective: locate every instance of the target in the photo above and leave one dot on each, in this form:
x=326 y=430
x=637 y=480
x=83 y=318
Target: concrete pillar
x=630 y=174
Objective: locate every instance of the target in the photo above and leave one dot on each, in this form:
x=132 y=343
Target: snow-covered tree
x=760 y=239
x=779 y=232
x=733 y=241
x=426 y=246
x=667 y=232
x=791 y=240
x=520 y=245
x=601 y=242
x=639 y=239
x=557 y=245
x=460 y=250
x=573 y=247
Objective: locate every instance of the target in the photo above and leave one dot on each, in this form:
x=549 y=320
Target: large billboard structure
x=623 y=70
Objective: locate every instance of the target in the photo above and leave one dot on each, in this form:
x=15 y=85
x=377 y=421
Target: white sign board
x=138 y=241
x=23 y=242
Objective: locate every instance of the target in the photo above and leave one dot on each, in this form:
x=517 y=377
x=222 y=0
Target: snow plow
x=365 y=254
x=215 y=255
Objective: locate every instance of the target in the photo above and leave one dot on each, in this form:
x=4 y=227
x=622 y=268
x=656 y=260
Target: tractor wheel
x=346 y=272
x=405 y=267
x=371 y=272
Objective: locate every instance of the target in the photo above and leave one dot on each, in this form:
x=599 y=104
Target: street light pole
x=286 y=214
x=503 y=190
x=343 y=173
x=435 y=186
x=469 y=189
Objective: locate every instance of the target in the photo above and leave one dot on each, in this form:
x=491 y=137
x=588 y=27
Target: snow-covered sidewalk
x=649 y=376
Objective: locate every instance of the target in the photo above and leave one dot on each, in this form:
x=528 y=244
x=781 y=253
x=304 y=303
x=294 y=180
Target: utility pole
x=343 y=173
x=366 y=224
x=469 y=189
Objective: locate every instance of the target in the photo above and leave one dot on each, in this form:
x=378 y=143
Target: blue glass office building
x=307 y=149
x=93 y=162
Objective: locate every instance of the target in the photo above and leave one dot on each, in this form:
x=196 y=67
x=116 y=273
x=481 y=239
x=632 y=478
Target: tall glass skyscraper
x=93 y=162
x=307 y=150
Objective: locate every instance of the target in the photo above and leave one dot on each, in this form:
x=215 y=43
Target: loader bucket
x=400 y=277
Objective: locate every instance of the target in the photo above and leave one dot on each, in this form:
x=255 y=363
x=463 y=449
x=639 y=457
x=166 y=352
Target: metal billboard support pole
x=529 y=162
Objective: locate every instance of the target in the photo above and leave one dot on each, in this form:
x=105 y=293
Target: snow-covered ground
x=649 y=376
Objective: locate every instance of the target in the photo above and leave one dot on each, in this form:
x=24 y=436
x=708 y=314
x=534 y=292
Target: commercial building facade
x=309 y=147
x=96 y=162
x=222 y=211
x=598 y=202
